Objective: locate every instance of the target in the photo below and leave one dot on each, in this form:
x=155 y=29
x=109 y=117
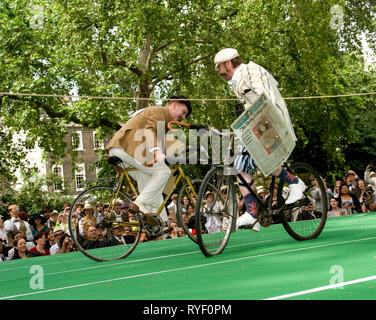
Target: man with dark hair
x=249 y=81
x=139 y=144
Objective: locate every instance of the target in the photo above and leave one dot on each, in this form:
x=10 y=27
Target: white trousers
x=151 y=181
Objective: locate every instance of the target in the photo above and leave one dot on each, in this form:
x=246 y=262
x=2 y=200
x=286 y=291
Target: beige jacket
x=144 y=131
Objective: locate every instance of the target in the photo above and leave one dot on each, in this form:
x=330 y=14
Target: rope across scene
x=163 y=99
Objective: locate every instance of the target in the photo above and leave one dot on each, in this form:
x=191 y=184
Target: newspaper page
x=264 y=133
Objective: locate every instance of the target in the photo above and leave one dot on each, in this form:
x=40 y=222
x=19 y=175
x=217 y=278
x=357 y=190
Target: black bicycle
x=216 y=209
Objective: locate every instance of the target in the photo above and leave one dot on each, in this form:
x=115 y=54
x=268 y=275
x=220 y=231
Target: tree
x=151 y=49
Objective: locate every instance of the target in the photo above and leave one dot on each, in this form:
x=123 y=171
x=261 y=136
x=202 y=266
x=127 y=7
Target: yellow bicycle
x=110 y=232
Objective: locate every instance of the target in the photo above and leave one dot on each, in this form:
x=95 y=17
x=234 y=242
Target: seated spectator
x=128 y=235
x=87 y=221
x=118 y=231
x=3 y=233
x=50 y=240
x=58 y=234
x=16 y=236
x=348 y=201
x=15 y=224
x=176 y=232
x=369 y=199
x=38 y=223
x=40 y=241
x=94 y=242
x=20 y=250
x=3 y=251
x=51 y=222
x=334 y=210
x=308 y=213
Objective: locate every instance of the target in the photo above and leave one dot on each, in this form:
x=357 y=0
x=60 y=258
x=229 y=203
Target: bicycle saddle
x=114 y=160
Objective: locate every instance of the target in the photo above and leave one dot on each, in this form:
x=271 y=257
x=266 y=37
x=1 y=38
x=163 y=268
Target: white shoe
x=296 y=192
x=245 y=220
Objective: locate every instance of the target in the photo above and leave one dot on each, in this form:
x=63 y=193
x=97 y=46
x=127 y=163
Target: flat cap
x=225 y=55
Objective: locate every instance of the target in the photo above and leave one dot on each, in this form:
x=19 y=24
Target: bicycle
x=107 y=202
x=221 y=211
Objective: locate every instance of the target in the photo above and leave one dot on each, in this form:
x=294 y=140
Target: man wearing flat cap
x=139 y=145
x=253 y=80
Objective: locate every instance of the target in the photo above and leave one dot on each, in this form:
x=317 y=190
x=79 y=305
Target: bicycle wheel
x=97 y=234
x=300 y=222
x=186 y=205
x=215 y=211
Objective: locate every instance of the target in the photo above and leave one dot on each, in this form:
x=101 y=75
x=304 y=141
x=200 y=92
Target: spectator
x=99 y=212
x=370 y=199
x=185 y=204
x=78 y=210
x=46 y=211
x=173 y=204
x=20 y=250
x=316 y=195
x=16 y=224
x=118 y=231
x=58 y=234
x=40 y=241
x=124 y=211
x=351 y=179
x=3 y=253
x=128 y=236
x=50 y=240
x=261 y=192
x=16 y=236
x=87 y=221
x=334 y=210
x=3 y=233
x=211 y=209
x=176 y=232
x=370 y=176
x=362 y=188
x=51 y=222
x=348 y=201
x=308 y=213
x=38 y=223
x=337 y=186
x=66 y=244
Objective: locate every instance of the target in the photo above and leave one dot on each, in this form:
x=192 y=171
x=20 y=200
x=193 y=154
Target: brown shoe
x=134 y=208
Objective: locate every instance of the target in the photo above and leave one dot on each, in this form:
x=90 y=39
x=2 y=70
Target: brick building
x=76 y=173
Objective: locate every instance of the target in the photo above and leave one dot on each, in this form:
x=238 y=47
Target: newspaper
x=265 y=135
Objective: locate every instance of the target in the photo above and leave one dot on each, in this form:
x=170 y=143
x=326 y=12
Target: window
x=80 y=177
x=77 y=143
x=58 y=179
x=98 y=143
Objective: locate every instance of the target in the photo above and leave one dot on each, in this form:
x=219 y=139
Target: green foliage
x=146 y=49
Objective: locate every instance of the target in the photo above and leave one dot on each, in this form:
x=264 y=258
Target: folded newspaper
x=264 y=133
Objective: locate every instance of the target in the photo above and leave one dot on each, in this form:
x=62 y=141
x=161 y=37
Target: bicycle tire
x=298 y=223
x=183 y=191
x=212 y=237
x=108 y=249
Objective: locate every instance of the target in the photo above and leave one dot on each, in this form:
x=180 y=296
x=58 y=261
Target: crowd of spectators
x=47 y=233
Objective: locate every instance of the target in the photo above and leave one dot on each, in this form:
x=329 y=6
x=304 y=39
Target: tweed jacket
x=144 y=131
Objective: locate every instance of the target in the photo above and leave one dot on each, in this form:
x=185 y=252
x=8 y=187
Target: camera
x=368 y=192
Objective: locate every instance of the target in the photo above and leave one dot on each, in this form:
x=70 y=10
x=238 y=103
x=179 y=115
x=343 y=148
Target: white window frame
x=61 y=174
x=100 y=142
x=81 y=173
x=80 y=146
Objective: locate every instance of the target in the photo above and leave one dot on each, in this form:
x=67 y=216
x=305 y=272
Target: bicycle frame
x=124 y=174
